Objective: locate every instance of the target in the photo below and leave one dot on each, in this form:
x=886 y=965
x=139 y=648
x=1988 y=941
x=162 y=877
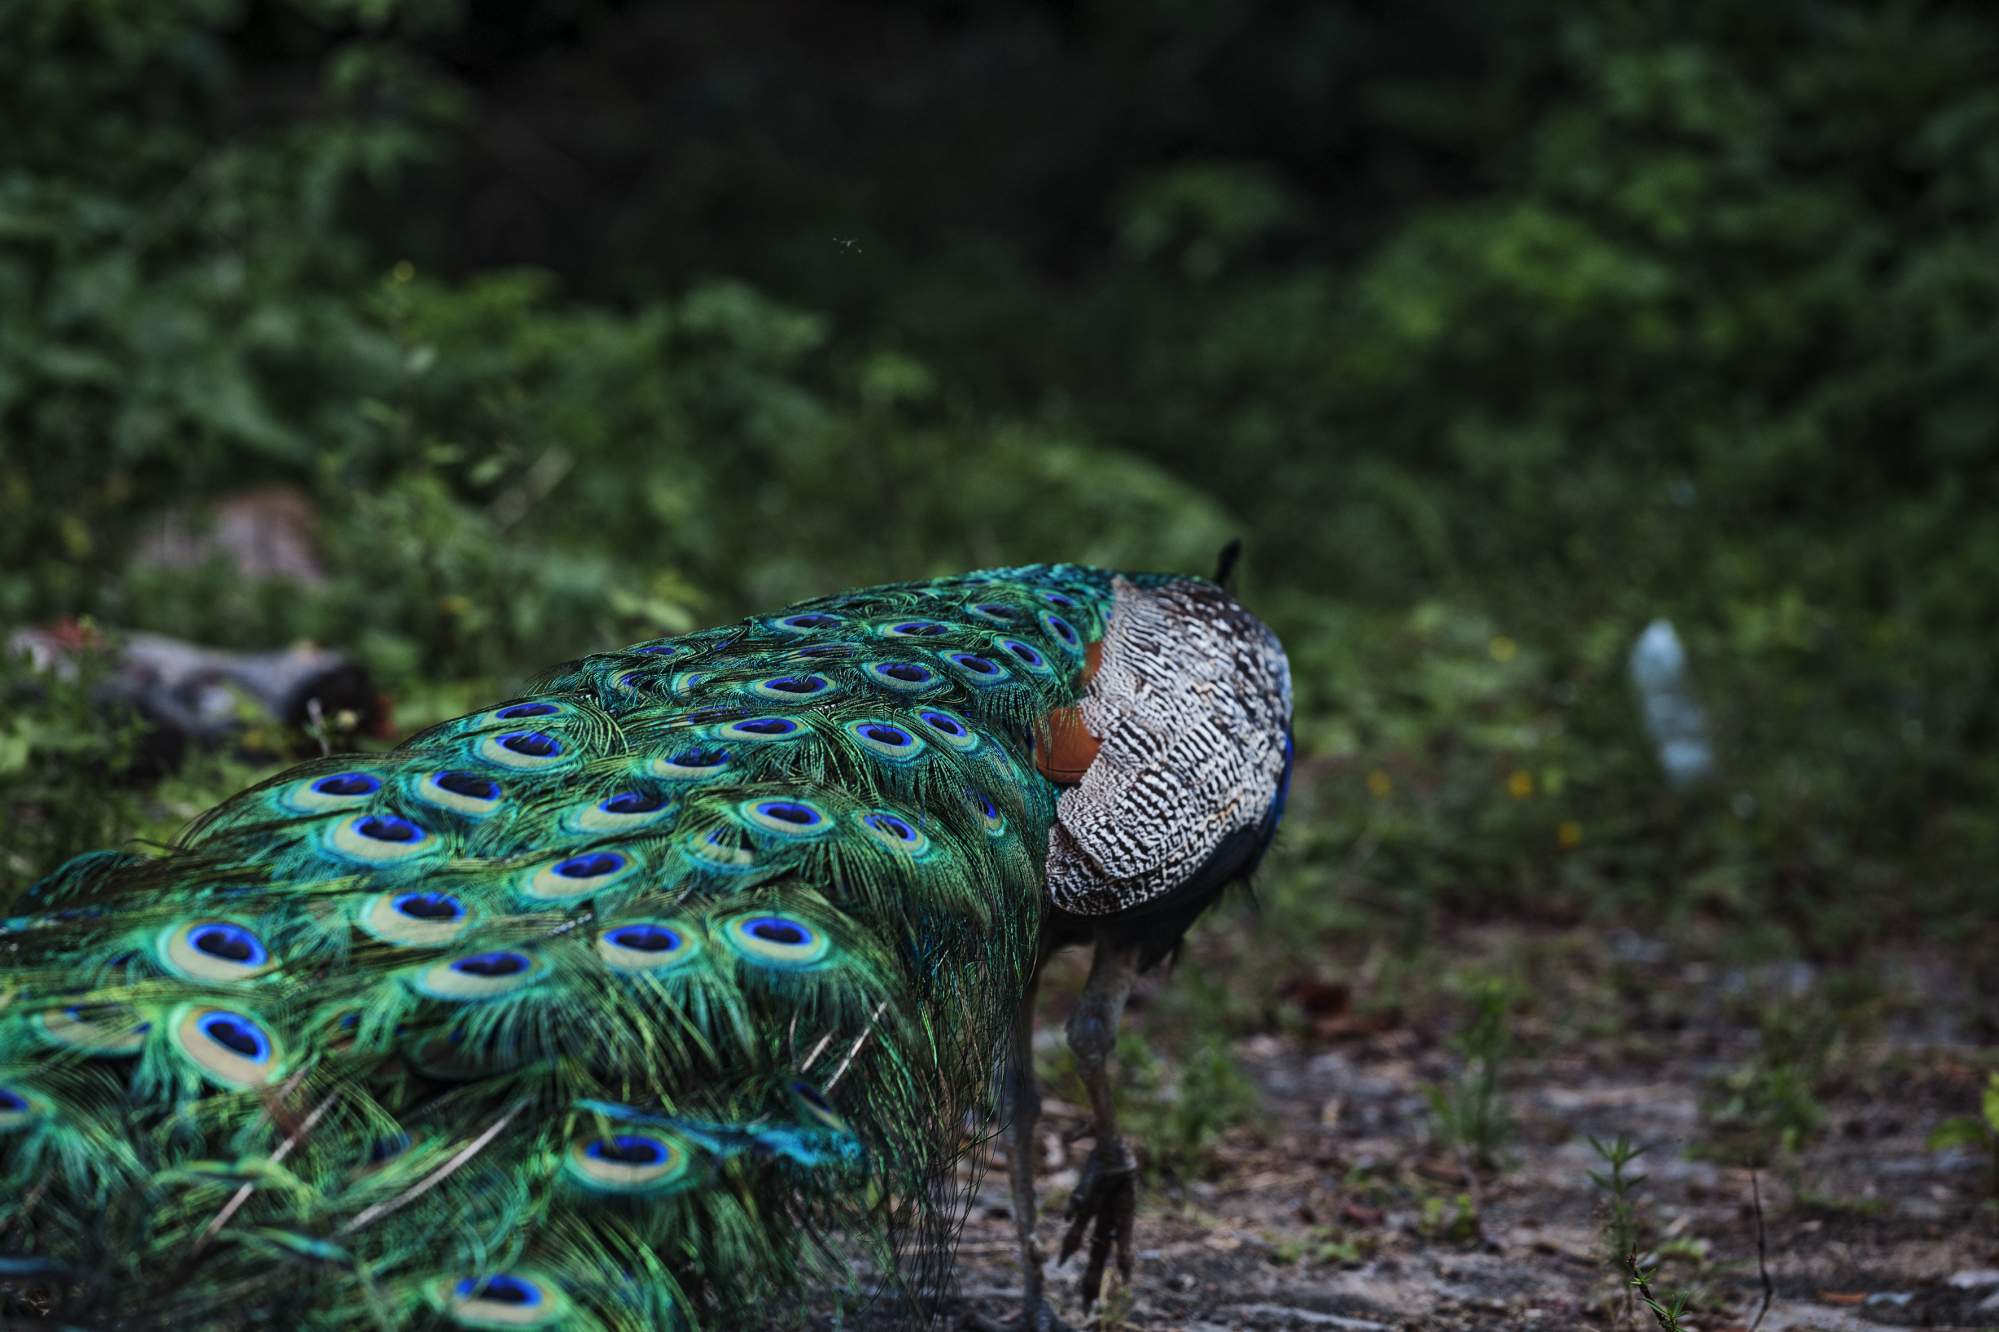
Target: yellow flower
x=1520 y=785
x=1570 y=834
x=1502 y=648
x=1380 y=783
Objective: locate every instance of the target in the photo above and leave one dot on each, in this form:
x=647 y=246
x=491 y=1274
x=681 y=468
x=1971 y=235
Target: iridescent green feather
x=656 y=997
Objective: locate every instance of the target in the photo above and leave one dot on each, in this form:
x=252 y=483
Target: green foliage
x=1470 y=1115
x=1623 y=1228
x=1980 y=1131
x=1770 y=1105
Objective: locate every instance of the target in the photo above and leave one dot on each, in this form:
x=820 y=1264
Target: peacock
x=664 y=996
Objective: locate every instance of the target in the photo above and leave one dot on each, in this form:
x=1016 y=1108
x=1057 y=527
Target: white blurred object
x=1672 y=714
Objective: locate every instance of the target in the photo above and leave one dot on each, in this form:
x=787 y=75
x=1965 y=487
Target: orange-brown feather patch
x=1064 y=749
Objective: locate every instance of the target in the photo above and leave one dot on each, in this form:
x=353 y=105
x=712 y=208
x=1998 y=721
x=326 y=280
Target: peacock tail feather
x=655 y=998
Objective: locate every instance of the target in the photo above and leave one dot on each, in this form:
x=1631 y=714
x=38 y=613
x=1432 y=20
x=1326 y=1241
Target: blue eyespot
x=632 y=802
x=1062 y=629
x=891 y=826
x=594 y=865
x=492 y=965
x=1057 y=599
x=1024 y=654
x=885 y=735
x=527 y=710
x=768 y=728
x=902 y=676
x=237 y=1034
x=434 y=907
x=700 y=758
x=645 y=938
x=977 y=665
x=919 y=629
x=827 y=652
x=810 y=621
x=787 y=811
x=797 y=684
x=348 y=784
x=499 y=1289
x=628 y=1150
x=388 y=828
x=533 y=744
x=468 y=784
x=231 y=943
x=944 y=722
x=1002 y=614
x=658 y=650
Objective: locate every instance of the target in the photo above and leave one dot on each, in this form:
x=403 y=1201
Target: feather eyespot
x=102 y=1029
x=762 y=728
x=460 y=792
x=980 y=670
x=691 y=764
x=478 y=976
x=815 y=1108
x=1064 y=632
x=230 y=1049
x=988 y=813
x=953 y=730
x=776 y=941
x=521 y=750
x=1058 y=599
x=647 y=1163
x=792 y=818
x=339 y=791
x=895 y=831
x=902 y=676
x=808 y=622
x=500 y=1301
x=377 y=838
x=792 y=688
x=918 y=629
x=1026 y=655
x=826 y=652
x=996 y=613
x=213 y=950
x=414 y=919
x=578 y=876
x=646 y=945
x=626 y=809
x=886 y=739
x=18 y=1108
x=520 y=710
x=657 y=650
x=722 y=848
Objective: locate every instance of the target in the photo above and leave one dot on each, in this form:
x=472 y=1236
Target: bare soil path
x=1336 y=1212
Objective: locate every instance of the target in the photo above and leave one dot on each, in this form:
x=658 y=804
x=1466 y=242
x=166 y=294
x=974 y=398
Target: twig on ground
x=1762 y=1261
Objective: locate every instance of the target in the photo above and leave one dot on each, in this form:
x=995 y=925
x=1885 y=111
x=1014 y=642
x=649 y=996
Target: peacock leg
x=1023 y=1111
x=1107 y=1194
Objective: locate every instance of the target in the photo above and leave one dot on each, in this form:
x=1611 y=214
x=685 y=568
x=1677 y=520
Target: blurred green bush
x=1712 y=337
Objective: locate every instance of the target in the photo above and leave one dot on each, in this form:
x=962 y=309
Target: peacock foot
x=1104 y=1202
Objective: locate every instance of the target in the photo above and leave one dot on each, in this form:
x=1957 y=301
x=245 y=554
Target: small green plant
x=1980 y=1130
x=1325 y=1244
x=1470 y=1115
x=1770 y=1105
x=1456 y=1220
x=1641 y=1281
x=1622 y=1227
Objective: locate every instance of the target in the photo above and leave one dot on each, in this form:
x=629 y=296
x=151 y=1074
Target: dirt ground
x=1334 y=1211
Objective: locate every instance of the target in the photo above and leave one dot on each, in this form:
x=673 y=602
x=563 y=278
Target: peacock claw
x=1104 y=1202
